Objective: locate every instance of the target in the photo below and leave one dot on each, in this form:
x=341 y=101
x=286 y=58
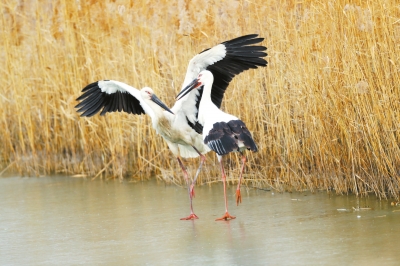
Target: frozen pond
x=70 y=221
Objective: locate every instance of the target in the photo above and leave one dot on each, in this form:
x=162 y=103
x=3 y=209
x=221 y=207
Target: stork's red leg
x=192 y=216
x=238 y=195
x=226 y=216
x=202 y=160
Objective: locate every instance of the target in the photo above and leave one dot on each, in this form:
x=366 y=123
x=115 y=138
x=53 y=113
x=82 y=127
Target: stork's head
x=204 y=77
x=148 y=95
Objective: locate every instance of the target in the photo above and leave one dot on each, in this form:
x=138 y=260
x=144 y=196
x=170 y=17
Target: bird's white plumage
x=186 y=105
x=201 y=61
x=179 y=135
x=112 y=86
x=209 y=114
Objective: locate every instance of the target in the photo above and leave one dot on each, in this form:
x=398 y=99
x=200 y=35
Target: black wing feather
x=107 y=107
x=94 y=100
x=94 y=109
x=240 y=56
x=89 y=102
x=243 y=38
x=224 y=138
x=219 y=139
x=87 y=91
x=240 y=130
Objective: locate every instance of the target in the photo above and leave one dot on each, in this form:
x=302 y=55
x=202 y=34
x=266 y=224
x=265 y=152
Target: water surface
x=70 y=221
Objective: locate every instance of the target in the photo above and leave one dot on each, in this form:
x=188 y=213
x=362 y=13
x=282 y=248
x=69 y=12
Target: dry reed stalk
x=325 y=112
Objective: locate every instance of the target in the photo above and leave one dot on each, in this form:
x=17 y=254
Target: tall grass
x=324 y=112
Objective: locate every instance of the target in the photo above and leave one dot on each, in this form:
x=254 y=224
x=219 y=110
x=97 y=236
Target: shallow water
x=69 y=221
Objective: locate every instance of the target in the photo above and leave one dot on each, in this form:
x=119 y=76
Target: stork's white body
x=180 y=137
x=209 y=114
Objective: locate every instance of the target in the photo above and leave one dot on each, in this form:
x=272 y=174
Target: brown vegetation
x=325 y=112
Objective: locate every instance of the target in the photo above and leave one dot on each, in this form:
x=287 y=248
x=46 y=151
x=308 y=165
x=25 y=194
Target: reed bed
x=324 y=112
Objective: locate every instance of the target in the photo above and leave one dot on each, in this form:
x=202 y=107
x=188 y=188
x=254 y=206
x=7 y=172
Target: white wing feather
x=201 y=61
x=197 y=64
x=112 y=86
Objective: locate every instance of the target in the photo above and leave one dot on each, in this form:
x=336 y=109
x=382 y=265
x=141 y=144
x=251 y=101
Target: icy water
x=70 y=221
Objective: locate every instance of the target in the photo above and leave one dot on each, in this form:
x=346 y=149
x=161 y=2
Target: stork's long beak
x=192 y=85
x=155 y=99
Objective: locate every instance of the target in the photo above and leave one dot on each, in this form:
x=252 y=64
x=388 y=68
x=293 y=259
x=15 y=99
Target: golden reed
x=324 y=112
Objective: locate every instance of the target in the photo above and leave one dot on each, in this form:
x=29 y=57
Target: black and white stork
x=222 y=132
x=181 y=131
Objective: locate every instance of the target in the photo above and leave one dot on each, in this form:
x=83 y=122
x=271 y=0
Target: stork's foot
x=190 y=217
x=238 y=197
x=226 y=217
x=192 y=194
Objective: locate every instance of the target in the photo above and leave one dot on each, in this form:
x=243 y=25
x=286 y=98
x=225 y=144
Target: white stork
x=181 y=131
x=222 y=132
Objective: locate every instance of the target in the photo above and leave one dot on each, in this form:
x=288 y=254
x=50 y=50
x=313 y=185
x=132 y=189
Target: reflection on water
x=61 y=220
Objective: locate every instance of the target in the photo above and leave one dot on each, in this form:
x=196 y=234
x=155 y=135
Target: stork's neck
x=207 y=93
x=154 y=111
x=206 y=106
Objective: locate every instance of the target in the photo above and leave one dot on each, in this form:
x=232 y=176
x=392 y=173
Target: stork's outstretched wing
x=109 y=96
x=224 y=61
